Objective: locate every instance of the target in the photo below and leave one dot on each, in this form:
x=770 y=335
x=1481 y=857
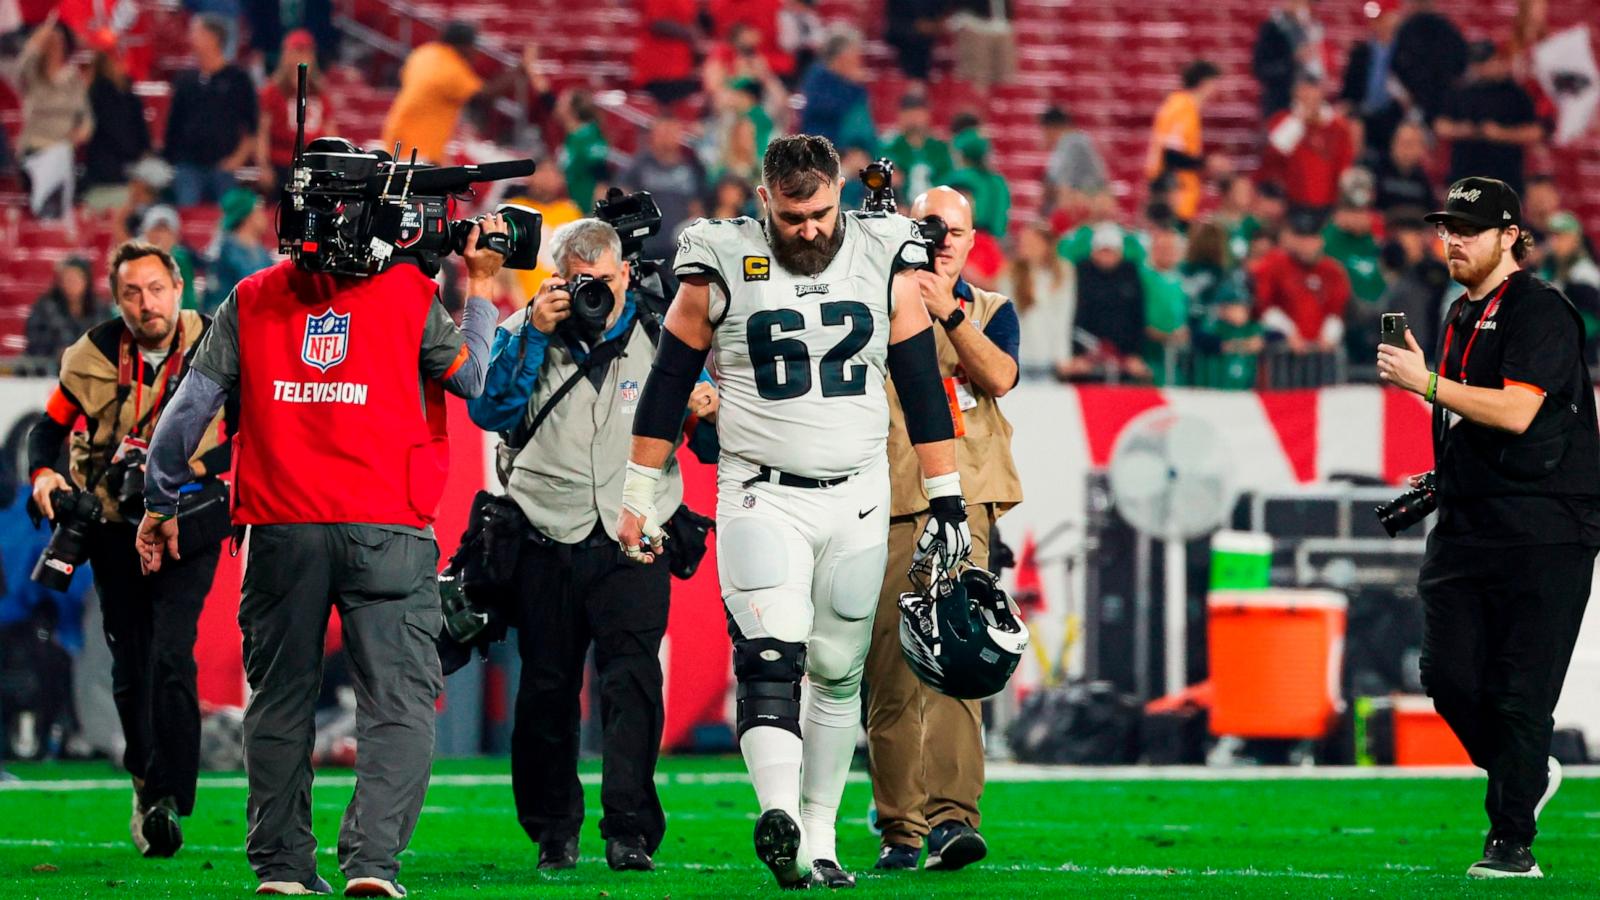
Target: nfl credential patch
x=629 y=390
x=327 y=340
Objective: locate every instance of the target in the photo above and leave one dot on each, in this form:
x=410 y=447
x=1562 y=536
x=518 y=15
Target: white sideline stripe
x=1000 y=773
x=1064 y=869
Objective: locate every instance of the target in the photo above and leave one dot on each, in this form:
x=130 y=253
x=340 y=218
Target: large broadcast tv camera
x=349 y=212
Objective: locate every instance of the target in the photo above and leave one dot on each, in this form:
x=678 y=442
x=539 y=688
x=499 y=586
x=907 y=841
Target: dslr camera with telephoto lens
x=76 y=512
x=878 y=178
x=1411 y=507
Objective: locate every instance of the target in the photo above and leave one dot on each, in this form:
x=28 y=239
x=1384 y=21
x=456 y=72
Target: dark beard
x=803 y=257
x=1475 y=275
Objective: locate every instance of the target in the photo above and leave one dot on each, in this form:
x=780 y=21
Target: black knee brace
x=769 y=673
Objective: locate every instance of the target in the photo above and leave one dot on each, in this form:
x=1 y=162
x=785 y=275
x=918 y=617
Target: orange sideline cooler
x=1275 y=661
x=1421 y=737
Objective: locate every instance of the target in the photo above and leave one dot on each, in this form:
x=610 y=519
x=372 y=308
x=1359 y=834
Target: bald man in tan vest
x=926 y=748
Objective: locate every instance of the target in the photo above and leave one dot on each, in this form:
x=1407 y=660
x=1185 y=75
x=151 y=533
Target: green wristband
x=1433 y=386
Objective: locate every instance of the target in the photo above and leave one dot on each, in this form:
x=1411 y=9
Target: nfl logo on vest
x=327 y=339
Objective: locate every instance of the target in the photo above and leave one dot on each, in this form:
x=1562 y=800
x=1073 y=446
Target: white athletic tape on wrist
x=946 y=485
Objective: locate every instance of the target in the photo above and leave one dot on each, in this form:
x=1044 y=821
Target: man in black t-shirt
x=1508 y=567
x=1490 y=121
x=212 y=123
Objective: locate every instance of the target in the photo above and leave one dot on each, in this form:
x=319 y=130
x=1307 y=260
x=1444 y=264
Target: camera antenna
x=300 y=116
x=394 y=161
x=411 y=167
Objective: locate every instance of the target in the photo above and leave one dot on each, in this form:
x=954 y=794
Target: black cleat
x=778 y=845
x=627 y=854
x=162 y=834
x=558 y=853
x=953 y=845
x=898 y=856
x=826 y=873
x=1505 y=859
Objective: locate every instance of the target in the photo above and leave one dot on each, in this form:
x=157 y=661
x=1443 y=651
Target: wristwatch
x=954 y=320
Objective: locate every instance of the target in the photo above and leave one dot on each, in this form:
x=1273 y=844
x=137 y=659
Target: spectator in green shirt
x=1166 y=303
x=584 y=153
x=1075 y=245
x=992 y=209
x=921 y=160
x=1209 y=273
x=1228 y=343
x=1348 y=238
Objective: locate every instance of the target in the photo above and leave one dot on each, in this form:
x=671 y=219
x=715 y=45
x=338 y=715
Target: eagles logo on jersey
x=801 y=361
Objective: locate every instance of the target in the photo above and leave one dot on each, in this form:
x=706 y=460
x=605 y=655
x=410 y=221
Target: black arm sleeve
x=1178 y=161
x=44 y=444
x=666 y=391
x=914 y=366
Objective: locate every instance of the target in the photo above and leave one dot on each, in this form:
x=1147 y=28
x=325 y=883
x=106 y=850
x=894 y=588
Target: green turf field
x=1056 y=838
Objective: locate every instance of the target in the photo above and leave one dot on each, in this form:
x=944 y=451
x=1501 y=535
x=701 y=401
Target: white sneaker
x=316 y=886
x=136 y=826
x=1550 y=788
x=372 y=887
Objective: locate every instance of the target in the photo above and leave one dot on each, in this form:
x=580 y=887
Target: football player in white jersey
x=804 y=314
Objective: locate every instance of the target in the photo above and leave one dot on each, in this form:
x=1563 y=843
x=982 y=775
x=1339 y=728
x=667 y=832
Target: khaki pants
x=917 y=782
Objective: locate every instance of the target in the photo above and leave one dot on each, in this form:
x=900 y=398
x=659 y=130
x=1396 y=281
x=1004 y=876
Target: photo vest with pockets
x=568 y=476
x=983 y=435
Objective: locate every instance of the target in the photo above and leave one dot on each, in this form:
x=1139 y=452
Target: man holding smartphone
x=1508 y=567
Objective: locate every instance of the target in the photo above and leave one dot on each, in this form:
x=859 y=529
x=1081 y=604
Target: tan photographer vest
x=983 y=445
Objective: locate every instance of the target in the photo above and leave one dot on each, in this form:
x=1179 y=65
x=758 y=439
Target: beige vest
x=983 y=445
x=569 y=476
x=91 y=379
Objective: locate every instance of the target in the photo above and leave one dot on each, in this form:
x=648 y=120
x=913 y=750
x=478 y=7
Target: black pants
x=569 y=598
x=150 y=624
x=1499 y=630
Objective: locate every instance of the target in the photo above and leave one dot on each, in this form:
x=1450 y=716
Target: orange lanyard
x=125 y=377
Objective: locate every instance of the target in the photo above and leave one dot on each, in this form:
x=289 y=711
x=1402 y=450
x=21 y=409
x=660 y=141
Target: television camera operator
x=120 y=376
x=562 y=389
x=340 y=356
x=1509 y=565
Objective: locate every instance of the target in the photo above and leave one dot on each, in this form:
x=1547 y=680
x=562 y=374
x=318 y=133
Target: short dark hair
x=961 y=121
x=797 y=165
x=1199 y=72
x=1054 y=115
x=217 y=25
x=458 y=34
x=128 y=251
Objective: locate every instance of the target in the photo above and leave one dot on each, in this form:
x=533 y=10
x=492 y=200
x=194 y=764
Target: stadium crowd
x=1193 y=278
x=1217 y=272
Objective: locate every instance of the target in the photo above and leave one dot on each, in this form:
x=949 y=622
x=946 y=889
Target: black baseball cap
x=1484 y=202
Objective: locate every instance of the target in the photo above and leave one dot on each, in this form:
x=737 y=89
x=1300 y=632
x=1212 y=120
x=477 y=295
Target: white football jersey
x=800 y=362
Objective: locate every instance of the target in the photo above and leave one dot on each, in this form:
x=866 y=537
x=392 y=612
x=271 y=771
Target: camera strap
x=600 y=357
x=127 y=357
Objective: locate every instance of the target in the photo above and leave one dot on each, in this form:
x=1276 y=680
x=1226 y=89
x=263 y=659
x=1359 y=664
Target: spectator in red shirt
x=762 y=15
x=664 y=59
x=1300 y=292
x=276 y=133
x=1308 y=146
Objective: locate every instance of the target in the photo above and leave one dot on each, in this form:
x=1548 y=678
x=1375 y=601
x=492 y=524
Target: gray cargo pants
x=383 y=584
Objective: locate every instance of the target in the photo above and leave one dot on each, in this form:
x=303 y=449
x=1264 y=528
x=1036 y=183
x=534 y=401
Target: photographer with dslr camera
x=927 y=748
x=120 y=376
x=340 y=360
x=562 y=390
x=1510 y=563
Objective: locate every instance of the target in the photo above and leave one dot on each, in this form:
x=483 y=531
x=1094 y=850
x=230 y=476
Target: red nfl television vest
x=336 y=422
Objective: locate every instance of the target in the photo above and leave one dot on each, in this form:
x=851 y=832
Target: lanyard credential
x=1450 y=331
